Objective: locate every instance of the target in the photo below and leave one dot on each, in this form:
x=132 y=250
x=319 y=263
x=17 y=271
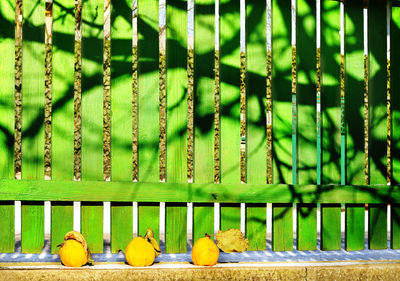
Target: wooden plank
x=148 y=131
x=62 y=160
x=203 y=220
x=256 y=140
x=395 y=226
x=149 y=217
x=395 y=91
x=354 y=230
x=203 y=214
x=330 y=240
x=92 y=125
x=377 y=118
x=123 y=130
x=195 y=192
x=377 y=226
x=230 y=109
x=176 y=162
x=331 y=101
x=282 y=227
x=32 y=214
x=306 y=227
x=352 y=143
x=309 y=120
x=7 y=73
x=283 y=169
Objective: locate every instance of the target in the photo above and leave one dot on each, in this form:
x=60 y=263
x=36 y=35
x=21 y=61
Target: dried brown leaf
x=231 y=240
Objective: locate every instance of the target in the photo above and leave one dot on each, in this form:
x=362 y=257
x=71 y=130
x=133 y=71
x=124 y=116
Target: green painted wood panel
x=282 y=120
x=256 y=232
x=149 y=216
x=306 y=227
x=353 y=173
x=121 y=117
x=176 y=163
x=330 y=94
x=282 y=227
x=32 y=214
x=195 y=192
x=377 y=226
x=378 y=114
x=230 y=107
x=330 y=103
x=308 y=121
x=92 y=118
x=354 y=227
x=7 y=244
x=7 y=12
x=395 y=91
x=203 y=220
x=203 y=214
x=148 y=127
x=175 y=228
x=62 y=164
x=395 y=226
x=62 y=215
x=91 y=228
x=330 y=218
x=121 y=226
x=256 y=119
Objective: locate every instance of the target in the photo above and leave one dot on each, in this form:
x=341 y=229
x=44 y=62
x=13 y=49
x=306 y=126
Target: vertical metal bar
x=342 y=100
x=18 y=91
x=78 y=92
x=269 y=92
x=243 y=107
x=388 y=96
x=242 y=91
x=318 y=84
x=48 y=88
x=162 y=88
x=366 y=102
x=294 y=101
x=135 y=162
x=190 y=89
x=107 y=92
x=190 y=110
x=217 y=117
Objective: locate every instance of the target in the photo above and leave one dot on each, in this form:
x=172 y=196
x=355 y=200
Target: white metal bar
x=216 y=38
x=342 y=31
x=293 y=10
x=135 y=223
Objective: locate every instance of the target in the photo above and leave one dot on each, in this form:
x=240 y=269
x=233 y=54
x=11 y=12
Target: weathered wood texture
x=175 y=214
x=203 y=214
x=62 y=156
x=7 y=46
x=123 y=128
x=92 y=118
x=230 y=107
x=33 y=77
x=256 y=140
x=353 y=139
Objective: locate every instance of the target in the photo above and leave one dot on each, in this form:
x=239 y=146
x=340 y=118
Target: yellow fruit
x=140 y=252
x=72 y=253
x=205 y=252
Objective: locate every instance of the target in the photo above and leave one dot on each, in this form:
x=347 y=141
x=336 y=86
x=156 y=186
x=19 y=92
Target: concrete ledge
x=368 y=271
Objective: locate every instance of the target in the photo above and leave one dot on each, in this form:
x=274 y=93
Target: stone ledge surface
x=355 y=270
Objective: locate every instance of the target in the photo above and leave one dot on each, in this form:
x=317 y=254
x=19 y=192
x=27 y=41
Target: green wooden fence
x=225 y=105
